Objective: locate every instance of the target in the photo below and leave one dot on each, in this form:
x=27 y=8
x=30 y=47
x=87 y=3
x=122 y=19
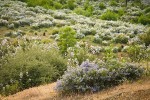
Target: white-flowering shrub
x=105 y=43
x=96 y=49
x=97 y=39
x=11 y=26
x=3 y=22
x=79 y=35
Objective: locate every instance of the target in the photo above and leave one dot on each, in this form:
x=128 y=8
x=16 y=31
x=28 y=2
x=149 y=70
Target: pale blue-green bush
x=93 y=77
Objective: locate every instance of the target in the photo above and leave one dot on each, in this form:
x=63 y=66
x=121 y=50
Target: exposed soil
x=139 y=90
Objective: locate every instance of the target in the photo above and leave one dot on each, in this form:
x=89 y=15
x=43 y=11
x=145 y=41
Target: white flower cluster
x=96 y=49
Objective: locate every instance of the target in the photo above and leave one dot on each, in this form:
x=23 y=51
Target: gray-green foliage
x=93 y=77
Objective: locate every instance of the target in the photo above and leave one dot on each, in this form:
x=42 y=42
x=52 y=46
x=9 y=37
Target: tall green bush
x=109 y=15
x=67 y=39
x=30 y=67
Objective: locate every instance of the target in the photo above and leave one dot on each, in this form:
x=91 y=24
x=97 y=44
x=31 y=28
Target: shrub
x=48 y=4
x=131 y=71
x=109 y=15
x=145 y=20
x=30 y=67
x=67 y=39
x=86 y=12
x=57 y=5
x=102 y=6
x=121 y=38
x=97 y=39
x=92 y=77
x=88 y=31
x=147 y=10
x=71 y=4
x=121 y=12
x=145 y=38
x=136 y=53
x=79 y=11
x=80 y=35
x=113 y=3
x=78 y=55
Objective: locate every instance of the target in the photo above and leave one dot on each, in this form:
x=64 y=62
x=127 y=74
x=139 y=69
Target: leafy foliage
x=30 y=67
x=102 y=5
x=144 y=19
x=145 y=38
x=109 y=15
x=67 y=39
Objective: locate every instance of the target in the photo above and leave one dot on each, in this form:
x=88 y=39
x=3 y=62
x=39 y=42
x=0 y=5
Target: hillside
x=139 y=90
x=79 y=46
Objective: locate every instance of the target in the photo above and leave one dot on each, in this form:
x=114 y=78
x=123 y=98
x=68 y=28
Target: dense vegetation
x=87 y=45
x=118 y=9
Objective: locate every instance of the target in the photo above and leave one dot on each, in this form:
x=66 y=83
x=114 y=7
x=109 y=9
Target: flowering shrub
x=96 y=49
x=92 y=77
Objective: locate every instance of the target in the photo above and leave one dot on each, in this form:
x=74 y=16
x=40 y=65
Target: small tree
x=67 y=39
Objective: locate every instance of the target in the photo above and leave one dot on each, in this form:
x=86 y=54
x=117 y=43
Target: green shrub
x=102 y=6
x=55 y=31
x=71 y=4
x=79 y=11
x=109 y=15
x=44 y=3
x=147 y=10
x=121 y=38
x=86 y=4
x=145 y=20
x=86 y=12
x=97 y=39
x=89 y=11
x=67 y=39
x=113 y=3
x=121 y=12
x=30 y=67
x=57 y=5
x=136 y=53
x=145 y=38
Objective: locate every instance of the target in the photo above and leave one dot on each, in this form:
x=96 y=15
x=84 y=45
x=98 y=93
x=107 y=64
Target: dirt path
x=139 y=90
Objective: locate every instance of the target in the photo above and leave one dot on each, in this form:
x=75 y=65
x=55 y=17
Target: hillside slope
x=139 y=90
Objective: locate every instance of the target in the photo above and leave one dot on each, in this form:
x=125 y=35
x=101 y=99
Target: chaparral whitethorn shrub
x=93 y=77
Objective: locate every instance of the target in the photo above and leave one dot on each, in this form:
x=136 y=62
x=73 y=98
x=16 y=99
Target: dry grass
x=36 y=93
x=139 y=90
